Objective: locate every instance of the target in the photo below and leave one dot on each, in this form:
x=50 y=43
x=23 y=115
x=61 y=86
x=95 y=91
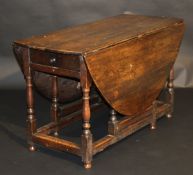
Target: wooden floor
x=167 y=150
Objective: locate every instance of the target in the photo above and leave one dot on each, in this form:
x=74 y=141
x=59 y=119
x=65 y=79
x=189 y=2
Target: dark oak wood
x=170 y=95
x=113 y=123
x=56 y=143
x=154 y=40
x=131 y=69
x=154 y=113
x=127 y=58
x=86 y=137
x=70 y=61
x=128 y=126
x=55 y=71
x=31 y=120
x=43 y=81
x=94 y=36
x=54 y=106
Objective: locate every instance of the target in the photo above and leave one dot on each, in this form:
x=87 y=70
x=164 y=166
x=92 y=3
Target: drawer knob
x=52 y=60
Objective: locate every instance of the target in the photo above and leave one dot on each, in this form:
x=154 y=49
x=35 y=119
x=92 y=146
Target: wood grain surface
x=99 y=34
x=130 y=75
x=128 y=56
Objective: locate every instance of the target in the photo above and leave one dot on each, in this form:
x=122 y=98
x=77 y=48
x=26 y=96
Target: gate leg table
x=128 y=58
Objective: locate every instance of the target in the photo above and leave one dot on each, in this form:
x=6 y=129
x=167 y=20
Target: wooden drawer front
x=65 y=61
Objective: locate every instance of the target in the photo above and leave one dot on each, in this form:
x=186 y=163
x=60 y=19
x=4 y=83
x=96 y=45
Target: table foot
x=153 y=127
x=87 y=165
x=32 y=148
x=169 y=115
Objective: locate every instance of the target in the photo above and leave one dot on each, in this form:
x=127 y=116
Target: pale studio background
x=23 y=18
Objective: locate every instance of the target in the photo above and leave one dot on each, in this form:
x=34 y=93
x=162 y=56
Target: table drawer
x=65 y=61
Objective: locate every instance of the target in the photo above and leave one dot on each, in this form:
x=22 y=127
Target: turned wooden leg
x=86 y=135
x=170 y=93
x=54 y=107
x=86 y=138
x=31 y=121
x=113 y=123
x=154 y=117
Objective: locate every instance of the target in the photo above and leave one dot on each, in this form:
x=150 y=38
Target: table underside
x=124 y=127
